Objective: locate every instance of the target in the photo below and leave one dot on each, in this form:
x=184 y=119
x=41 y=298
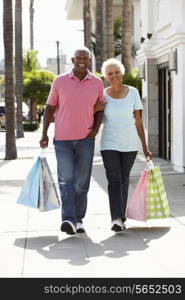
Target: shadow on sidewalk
x=4 y=162
x=79 y=249
x=132 y=239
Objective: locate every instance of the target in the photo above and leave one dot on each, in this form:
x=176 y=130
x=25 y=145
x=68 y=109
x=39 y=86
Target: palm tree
x=127 y=35
x=18 y=67
x=117 y=38
x=99 y=34
x=87 y=24
x=10 y=148
x=31 y=25
x=117 y=35
x=104 y=30
x=109 y=29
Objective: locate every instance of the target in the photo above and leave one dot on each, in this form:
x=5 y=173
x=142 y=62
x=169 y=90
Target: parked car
x=25 y=110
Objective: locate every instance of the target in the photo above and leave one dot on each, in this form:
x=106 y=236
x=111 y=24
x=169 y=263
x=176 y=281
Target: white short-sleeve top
x=119 y=130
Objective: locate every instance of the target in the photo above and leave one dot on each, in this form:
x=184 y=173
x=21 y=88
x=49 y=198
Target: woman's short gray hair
x=112 y=62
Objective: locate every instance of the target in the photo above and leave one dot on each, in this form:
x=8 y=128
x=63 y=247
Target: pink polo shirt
x=74 y=101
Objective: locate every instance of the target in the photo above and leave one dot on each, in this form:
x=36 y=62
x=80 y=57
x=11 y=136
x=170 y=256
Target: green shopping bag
x=157 y=202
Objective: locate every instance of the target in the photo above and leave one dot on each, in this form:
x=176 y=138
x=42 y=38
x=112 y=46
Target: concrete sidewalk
x=33 y=246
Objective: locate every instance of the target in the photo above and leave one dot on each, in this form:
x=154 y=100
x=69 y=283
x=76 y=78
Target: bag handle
x=149 y=164
x=43 y=152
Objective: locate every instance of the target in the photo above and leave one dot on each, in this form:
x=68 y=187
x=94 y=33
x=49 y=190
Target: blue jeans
x=118 y=166
x=74 y=165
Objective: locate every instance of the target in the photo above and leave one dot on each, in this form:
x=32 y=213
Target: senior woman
x=122 y=127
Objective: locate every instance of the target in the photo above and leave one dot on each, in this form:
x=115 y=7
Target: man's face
x=81 y=61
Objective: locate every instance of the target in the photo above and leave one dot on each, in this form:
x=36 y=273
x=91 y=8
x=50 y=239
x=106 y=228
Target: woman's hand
x=147 y=154
x=99 y=106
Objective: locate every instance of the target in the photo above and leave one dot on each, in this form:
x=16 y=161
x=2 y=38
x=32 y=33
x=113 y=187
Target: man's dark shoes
x=68 y=227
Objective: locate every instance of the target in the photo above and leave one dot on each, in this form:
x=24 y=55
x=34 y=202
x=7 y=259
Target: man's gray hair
x=112 y=62
x=83 y=48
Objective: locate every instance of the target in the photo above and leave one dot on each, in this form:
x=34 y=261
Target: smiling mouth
x=81 y=65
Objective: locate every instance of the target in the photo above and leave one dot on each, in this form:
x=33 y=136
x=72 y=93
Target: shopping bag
x=136 y=207
x=29 y=194
x=48 y=196
x=39 y=190
x=157 y=203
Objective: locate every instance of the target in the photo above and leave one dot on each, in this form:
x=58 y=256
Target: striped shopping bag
x=157 y=203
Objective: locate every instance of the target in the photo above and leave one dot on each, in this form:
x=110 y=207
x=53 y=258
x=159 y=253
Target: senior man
x=71 y=102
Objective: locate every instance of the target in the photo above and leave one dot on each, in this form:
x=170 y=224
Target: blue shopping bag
x=29 y=195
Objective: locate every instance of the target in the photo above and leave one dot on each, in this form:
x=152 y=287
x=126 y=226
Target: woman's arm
x=141 y=133
x=99 y=106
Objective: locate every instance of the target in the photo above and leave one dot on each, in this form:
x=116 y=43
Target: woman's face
x=113 y=74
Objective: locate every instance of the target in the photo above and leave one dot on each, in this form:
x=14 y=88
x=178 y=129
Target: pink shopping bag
x=136 y=207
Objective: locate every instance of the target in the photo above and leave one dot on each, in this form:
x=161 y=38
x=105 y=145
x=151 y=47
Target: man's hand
x=44 y=141
x=99 y=106
x=92 y=133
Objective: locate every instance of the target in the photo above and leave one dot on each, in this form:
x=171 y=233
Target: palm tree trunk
x=87 y=25
x=99 y=34
x=104 y=30
x=18 y=67
x=31 y=25
x=10 y=148
x=109 y=29
x=127 y=35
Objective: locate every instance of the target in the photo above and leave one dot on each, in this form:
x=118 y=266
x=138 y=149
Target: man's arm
x=98 y=117
x=48 y=115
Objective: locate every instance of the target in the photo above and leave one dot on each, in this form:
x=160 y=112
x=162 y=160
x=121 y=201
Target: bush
x=99 y=75
x=30 y=125
x=133 y=79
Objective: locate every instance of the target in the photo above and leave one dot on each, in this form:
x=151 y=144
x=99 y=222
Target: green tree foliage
x=30 y=61
x=36 y=85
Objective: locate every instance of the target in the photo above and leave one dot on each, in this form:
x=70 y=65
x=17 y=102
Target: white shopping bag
x=48 y=196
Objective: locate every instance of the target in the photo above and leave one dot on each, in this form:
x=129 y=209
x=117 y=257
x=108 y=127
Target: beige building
x=52 y=64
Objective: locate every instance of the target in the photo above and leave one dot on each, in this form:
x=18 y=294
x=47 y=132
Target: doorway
x=164 y=104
